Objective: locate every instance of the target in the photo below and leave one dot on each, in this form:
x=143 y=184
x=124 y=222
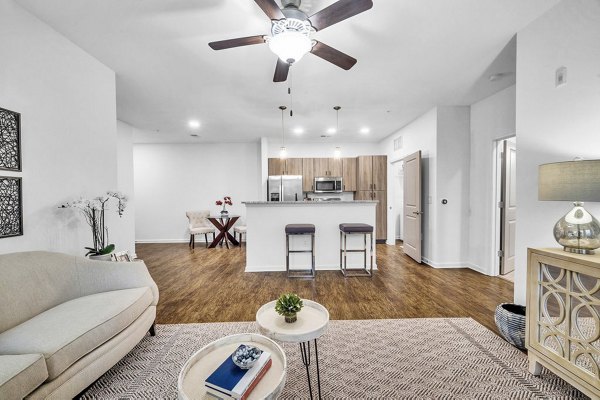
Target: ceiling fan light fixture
x=290 y=46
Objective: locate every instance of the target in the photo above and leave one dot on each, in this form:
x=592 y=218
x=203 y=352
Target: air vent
x=398 y=143
x=325 y=136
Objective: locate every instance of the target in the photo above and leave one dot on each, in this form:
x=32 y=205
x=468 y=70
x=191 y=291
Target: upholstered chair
x=239 y=230
x=199 y=224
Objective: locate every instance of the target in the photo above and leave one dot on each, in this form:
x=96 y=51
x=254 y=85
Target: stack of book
x=229 y=381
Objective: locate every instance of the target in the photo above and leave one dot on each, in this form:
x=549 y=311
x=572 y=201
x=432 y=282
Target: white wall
x=325 y=150
x=452 y=218
x=125 y=185
x=171 y=179
x=554 y=124
x=69 y=145
x=492 y=118
x=418 y=135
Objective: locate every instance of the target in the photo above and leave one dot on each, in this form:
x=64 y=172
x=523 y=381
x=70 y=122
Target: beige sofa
x=65 y=321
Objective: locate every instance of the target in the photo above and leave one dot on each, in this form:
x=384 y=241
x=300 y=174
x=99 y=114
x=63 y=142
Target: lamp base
x=578 y=231
x=578 y=251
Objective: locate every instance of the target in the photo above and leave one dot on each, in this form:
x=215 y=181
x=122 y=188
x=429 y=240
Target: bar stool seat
x=355 y=229
x=300 y=229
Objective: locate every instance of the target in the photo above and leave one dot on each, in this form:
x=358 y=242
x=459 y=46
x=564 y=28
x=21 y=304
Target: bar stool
x=355 y=229
x=239 y=230
x=300 y=229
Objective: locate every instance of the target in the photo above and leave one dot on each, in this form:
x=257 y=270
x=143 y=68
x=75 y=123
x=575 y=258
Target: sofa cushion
x=71 y=330
x=21 y=374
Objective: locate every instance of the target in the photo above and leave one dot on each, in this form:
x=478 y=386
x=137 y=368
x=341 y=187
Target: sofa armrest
x=101 y=276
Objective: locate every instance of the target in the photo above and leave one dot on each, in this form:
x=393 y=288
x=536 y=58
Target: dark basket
x=510 y=320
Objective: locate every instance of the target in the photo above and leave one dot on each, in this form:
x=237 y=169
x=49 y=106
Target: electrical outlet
x=561 y=77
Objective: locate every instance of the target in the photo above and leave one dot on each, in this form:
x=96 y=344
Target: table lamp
x=578 y=181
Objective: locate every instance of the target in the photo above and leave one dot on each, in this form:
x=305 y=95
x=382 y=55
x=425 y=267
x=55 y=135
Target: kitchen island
x=266 y=223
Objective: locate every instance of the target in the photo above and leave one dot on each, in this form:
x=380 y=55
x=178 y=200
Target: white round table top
x=190 y=384
x=311 y=324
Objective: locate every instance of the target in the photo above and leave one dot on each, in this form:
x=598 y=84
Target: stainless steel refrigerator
x=284 y=188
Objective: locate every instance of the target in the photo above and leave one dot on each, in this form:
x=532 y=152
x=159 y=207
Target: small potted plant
x=225 y=202
x=289 y=305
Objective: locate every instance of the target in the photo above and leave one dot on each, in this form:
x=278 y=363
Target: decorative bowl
x=245 y=356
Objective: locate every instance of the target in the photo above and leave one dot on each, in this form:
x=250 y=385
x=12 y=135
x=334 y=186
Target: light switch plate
x=561 y=77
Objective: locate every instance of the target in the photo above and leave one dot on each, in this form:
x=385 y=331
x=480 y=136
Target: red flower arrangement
x=225 y=202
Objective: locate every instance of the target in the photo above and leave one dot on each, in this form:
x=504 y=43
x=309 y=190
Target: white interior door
x=412 y=213
x=508 y=211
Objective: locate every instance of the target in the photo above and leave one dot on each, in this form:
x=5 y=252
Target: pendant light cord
x=282 y=129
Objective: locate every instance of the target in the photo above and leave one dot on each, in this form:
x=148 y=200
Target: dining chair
x=199 y=224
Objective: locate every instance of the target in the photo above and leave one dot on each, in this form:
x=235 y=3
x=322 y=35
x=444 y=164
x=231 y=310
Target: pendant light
x=282 y=149
x=337 y=153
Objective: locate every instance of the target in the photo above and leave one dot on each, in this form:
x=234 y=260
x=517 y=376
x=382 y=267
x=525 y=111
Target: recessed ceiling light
x=194 y=124
x=365 y=130
x=194 y=135
x=298 y=130
x=331 y=131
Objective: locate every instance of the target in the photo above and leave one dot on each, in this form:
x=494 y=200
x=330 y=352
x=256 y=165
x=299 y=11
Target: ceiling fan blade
x=270 y=8
x=281 y=71
x=332 y=55
x=337 y=12
x=229 y=43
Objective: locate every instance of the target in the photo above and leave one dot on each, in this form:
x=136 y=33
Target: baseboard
x=456 y=265
x=166 y=241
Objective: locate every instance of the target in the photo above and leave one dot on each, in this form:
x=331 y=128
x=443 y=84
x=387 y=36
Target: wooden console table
x=563 y=317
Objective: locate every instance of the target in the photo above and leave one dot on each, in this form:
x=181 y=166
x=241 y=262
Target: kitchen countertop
x=301 y=203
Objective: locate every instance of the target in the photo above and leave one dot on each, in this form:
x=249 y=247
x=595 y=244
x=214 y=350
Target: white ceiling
x=412 y=55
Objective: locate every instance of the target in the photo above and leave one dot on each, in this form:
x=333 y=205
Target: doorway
x=505 y=206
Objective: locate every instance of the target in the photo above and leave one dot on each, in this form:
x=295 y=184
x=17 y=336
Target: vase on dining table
x=224 y=212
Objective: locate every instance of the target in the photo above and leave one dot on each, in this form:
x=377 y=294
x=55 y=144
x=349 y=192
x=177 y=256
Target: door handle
x=375 y=186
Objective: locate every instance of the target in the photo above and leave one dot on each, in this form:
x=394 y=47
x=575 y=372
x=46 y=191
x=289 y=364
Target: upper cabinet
x=327 y=166
x=349 y=174
x=372 y=172
x=290 y=166
x=308 y=174
x=276 y=166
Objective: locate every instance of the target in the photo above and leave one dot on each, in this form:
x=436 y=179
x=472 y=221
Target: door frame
x=496 y=198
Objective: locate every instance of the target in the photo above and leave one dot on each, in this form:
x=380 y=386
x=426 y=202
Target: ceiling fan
x=291 y=31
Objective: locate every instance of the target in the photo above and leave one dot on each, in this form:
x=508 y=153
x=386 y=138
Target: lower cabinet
x=563 y=317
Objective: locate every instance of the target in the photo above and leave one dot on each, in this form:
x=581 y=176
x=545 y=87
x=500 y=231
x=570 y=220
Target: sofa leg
x=152 y=329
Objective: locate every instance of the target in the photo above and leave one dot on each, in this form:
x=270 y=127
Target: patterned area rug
x=437 y=358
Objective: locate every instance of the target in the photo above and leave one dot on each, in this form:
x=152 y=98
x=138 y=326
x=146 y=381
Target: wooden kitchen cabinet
x=293 y=166
x=308 y=174
x=381 y=215
x=372 y=172
x=320 y=166
x=290 y=166
x=335 y=167
x=328 y=166
x=371 y=185
x=349 y=174
x=276 y=166
x=379 y=172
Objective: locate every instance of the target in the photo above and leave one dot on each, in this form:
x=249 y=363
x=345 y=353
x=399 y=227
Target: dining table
x=223 y=222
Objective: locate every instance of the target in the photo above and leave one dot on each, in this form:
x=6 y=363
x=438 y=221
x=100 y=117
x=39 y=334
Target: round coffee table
x=311 y=324
x=190 y=384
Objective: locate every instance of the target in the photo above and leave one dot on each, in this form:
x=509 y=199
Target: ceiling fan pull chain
x=290 y=91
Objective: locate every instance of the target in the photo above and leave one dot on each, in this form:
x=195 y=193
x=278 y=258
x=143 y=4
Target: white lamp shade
x=570 y=181
x=290 y=46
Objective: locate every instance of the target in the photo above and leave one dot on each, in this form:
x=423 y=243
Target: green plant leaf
x=107 y=250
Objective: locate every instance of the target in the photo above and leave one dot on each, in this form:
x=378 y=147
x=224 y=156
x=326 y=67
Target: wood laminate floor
x=210 y=285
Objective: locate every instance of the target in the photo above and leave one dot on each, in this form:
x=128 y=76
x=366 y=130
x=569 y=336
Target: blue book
x=233 y=381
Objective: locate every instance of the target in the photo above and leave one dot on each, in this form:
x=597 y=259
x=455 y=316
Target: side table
x=190 y=384
x=311 y=324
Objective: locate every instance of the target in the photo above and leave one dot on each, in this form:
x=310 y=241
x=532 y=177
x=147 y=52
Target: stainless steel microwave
x=328 y=184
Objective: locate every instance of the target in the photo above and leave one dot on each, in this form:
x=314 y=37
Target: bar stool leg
x=341 y=269
x=365 y=252
x=312 y=253
x=371 y=254
x=345 y=253
x=287 y=254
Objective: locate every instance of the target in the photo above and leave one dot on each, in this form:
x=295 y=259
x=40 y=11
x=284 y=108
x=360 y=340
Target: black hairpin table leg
x=305 y=352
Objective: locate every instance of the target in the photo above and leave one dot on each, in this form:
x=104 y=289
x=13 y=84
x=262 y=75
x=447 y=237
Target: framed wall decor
x=10 y=140
x=11 y=206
